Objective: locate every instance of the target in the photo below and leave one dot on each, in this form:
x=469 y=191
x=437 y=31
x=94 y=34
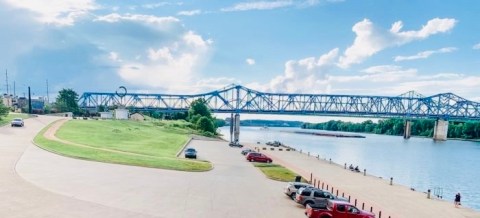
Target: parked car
x=233 y=144
x=258 y=157
x=17 y=122
x=274 y=143
x=246 y=151
x=292 y=188
x=191 y=153
x=337 y=209
x=315 y=197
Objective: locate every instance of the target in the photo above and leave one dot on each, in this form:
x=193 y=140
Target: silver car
x=315 y=197
x=17 y=122
x=292 y=187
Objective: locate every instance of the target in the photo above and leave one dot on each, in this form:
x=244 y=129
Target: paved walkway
x=396 y=201
x=21 y=199
x=55 y=186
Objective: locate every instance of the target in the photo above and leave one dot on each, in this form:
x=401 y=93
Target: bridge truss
x=239 y=99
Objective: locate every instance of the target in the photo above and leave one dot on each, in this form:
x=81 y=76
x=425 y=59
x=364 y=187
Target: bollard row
x=325 y=186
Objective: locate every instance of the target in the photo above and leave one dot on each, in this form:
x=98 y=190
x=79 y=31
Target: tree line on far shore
x=421 y=127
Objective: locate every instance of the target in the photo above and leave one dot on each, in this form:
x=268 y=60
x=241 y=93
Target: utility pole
x=29 y=101
x=48 y=97
x=6 y=80
x=14 y=90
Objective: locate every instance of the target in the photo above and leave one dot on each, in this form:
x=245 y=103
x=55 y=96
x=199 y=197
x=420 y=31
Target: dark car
x=258 y=157
x=235 y=144
x=191 y=153
x=246 y=151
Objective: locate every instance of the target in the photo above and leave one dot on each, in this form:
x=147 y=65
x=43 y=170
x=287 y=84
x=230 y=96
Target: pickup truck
x=337 y=209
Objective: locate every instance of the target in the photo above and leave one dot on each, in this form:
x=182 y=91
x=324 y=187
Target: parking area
x=234 y=188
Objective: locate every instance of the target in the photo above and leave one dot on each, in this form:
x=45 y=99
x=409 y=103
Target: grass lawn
x=10 y=116
x=277 y=172
x=148 y=144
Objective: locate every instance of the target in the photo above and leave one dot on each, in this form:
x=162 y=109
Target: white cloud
x=306 y=75
x=173 y=67
x=159 y=4
x=477 y=46
x=260 y=5
x=370 y=39
x=250 y=61
x=114 y=56
x=189 y=13
x=57 y=12
x=114 y=18
x=425 y=54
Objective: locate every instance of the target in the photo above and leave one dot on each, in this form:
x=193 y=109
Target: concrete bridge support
x=407 y=130
x=236 y=132
x=440 y=130
x=235 y=128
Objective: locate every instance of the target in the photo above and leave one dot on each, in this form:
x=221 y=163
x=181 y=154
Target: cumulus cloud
x=160 y=4
x=371 y=39
x=114 y=17
x=250 y=61
x=477 y=46
x=306 y=75
x=260 y=5
x=171 y=67
x=425 y=54
x=57 y=12
x=189 y=13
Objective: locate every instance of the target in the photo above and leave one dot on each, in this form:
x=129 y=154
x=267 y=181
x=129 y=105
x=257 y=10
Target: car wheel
x=269 y=161
x=308 y=203
x=251 y=160
x=293 y=195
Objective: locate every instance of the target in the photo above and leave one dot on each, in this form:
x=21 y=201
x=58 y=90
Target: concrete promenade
x=392 y=200
x=37 y=183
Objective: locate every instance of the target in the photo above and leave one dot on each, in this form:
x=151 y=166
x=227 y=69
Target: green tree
x=67 y=101
x=3 y=109
x=199 y=107
x=205 y=124
x=200 y=115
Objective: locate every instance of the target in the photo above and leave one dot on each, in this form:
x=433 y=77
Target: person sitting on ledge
x=356 y=169
x=350 y=167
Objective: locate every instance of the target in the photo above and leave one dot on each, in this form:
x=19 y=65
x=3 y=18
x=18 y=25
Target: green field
x=10 y=116
x=148 y=144
x=277 y=172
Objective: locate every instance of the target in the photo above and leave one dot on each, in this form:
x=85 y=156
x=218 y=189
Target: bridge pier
x=440 y=130
x=234 y=128
x=407 y=129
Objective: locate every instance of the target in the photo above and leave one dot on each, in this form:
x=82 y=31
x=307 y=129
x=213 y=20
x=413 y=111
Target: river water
x=445 y=167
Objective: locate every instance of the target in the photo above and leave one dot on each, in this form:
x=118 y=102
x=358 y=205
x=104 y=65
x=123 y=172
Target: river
x=445 y=167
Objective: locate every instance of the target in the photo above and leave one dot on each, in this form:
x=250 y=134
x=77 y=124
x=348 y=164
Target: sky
x=361 y=47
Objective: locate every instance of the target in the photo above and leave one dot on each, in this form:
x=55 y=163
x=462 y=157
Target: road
x=36 y=183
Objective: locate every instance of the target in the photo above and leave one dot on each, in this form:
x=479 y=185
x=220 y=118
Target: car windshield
x=190 y=150
x=17 y=119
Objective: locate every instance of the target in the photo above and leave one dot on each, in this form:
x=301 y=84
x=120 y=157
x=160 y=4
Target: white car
x=17 y=122
x=292 y=187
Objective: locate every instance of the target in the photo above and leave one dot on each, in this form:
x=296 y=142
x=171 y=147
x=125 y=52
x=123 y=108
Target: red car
x=258 y=157
x=337 y=209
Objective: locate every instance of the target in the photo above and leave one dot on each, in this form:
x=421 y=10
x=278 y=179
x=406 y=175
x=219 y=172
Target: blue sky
x=368 y=47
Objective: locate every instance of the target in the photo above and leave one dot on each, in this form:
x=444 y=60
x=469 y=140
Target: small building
x=121 y=114
x=137 y=117
x=106 y=115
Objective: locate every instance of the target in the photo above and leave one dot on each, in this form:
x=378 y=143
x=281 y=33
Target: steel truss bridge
x=239 y=99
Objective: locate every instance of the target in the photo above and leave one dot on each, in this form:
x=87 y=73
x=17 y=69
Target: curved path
x=20 y=198
x=37 y=183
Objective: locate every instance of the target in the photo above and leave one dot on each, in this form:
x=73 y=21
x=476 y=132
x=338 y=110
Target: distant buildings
x=19 y=103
